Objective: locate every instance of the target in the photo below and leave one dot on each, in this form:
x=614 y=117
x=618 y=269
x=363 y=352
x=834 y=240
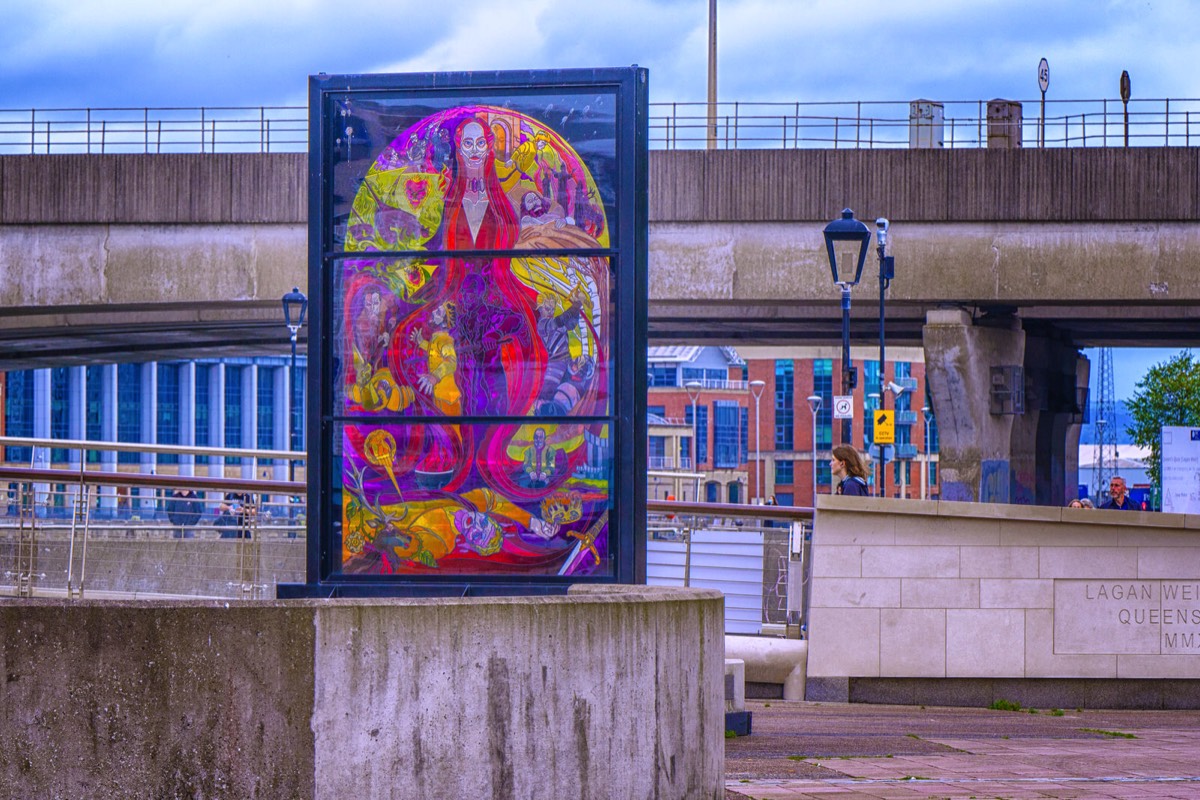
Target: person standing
x=1118 y=496
x=847 y=467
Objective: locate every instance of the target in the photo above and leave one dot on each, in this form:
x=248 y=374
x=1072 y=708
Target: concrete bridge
x=1005 y=259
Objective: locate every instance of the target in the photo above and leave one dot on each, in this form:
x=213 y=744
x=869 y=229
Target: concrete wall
x=607 y=693
x=941 y=591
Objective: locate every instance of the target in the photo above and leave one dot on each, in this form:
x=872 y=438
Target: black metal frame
x=628 y=259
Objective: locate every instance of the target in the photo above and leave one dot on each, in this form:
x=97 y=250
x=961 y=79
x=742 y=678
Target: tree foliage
x=1168 y=394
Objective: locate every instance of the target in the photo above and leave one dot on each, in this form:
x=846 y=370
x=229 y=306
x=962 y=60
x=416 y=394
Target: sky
x=159 y=53
x=167 y=53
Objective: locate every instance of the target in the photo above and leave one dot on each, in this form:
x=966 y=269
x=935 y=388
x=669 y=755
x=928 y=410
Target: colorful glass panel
x=529 y=499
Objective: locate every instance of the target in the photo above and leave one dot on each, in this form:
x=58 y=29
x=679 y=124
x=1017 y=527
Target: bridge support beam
x=992 y=448
x=975 y=452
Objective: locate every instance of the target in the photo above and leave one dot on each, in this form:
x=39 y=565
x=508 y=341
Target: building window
x=657 y=411
x=60 y=412
x=701 y=432
x=823 y=387
x=871 y=382
x=202 y=409
x=298 y=408
x=824 y=476
x=266 y=409
x=129 y=409
x=727 y=434
x=658 y=452
x=785 y=499
x=785 y=421
x=169 y=410
x=906 y=468
x=735 y=492
x=18 y=414
x=663 y=375
x=932 y=474
x=712 y=492
x=745 y=436
x=233 y=410
x=95 y=410
x=785 y=472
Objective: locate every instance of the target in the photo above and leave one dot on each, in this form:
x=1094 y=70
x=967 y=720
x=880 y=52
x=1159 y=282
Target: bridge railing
x=673 y=126
x=84 y=526
x=83 y=531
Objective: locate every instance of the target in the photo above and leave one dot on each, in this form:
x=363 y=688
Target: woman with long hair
x=847 y=466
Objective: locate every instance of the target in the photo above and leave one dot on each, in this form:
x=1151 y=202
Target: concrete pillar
x=974 y=459
x=1040 y=441
x=148 y=434
x=249 y=417
x=108 y=433
x=76 y=410
x=1073 y=426
x=187 y=415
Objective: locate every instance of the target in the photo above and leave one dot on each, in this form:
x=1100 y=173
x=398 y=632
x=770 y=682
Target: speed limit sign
x=843 y=407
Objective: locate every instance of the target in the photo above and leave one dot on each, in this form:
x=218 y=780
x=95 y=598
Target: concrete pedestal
x=608 y=692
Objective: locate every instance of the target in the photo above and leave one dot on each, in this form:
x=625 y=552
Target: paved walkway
x=835 y=751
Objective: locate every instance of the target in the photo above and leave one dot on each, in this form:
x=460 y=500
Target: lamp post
x=872 y=404
x=887 y=265
x=295 y=306
x=693 y=390
x=846 y=242
x=756 y=389
x=927 y=413
x=814 y=406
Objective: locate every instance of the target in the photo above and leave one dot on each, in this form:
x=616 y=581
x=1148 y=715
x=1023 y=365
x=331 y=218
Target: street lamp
x=693 y=390
x=926 y=412
x=814 y=406
x=846 y=242
x=887 y=268
x=756 y=389
x=295 y=306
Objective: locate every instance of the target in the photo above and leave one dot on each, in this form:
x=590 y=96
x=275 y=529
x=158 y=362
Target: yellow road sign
x=885 y=427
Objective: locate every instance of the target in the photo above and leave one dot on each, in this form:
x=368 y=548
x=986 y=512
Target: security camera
x=881 y=233
x=896 y=388
x=882 y=224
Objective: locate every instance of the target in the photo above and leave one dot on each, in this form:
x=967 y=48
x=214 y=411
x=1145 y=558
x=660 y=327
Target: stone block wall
x=945 y=590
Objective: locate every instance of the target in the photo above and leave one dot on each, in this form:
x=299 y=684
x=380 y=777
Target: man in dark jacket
x=1118 y=497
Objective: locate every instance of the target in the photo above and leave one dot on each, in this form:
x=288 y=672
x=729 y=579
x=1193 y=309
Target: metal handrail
x=673 y=126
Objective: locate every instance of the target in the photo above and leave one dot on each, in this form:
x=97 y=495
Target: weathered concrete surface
x=155 y=700
x=976 y=447
x=137 y=265
x=593 y=695
x=610 y=692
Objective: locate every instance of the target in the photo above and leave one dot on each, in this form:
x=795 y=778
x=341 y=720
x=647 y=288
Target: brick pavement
x=835 y=751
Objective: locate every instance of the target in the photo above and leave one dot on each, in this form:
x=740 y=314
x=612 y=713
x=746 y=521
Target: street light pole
x=846 y=242
x=928 y=415
x=756 y=389
x=814 y=406
x=873 y=400
x=295 y=306
x=886 y=271
x=693 y=390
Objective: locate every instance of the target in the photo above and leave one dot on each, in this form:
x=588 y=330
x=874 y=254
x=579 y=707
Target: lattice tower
x=1106 y=426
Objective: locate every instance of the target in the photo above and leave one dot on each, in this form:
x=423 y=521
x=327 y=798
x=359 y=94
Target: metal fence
x=84 y=531
x=673 y=126
x=87 y=527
